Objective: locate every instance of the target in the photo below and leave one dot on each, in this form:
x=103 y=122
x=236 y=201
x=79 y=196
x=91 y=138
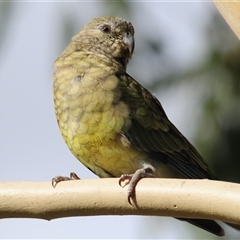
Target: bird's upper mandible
x=128 y=39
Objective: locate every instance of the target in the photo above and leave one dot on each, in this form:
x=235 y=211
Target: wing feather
x=152 y=131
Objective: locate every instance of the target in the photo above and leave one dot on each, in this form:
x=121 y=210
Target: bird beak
x=128 y=40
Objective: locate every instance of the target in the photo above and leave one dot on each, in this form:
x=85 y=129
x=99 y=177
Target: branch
x=230 y=10
x=160 y=197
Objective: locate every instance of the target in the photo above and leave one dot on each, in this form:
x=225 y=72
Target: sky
x=32 y=148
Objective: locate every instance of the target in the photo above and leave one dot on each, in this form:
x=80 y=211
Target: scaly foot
x=147 y=172
x=57 y=179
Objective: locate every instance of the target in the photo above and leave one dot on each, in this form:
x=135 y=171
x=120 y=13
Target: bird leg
x=57 y=179
x=146 y=172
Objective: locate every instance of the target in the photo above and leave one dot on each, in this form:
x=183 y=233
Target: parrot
x=112 y=124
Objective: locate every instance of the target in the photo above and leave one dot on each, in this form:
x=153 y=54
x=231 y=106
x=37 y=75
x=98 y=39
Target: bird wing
x=152 y=131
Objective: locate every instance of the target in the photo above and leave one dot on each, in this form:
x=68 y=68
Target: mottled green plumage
x=111 y=123
x=152 y=131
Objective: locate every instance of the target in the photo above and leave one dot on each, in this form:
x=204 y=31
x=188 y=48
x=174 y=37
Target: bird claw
x=123 y=178
x=57 y=179
x=147 y=172
x=131 y=197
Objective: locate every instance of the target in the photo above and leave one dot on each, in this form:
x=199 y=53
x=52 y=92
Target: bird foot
x=147 y=172
x=57 y=179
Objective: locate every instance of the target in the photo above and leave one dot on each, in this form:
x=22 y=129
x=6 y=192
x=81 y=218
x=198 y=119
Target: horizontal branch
x=160 y=197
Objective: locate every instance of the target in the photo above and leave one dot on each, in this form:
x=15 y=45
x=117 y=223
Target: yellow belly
x=91 y=118
x=108 y=158
x=96 y=141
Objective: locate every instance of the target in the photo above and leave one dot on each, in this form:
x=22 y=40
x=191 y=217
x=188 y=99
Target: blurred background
x=185 y=54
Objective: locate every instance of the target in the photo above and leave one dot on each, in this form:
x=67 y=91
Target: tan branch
x=159 y=197
x=230 y=10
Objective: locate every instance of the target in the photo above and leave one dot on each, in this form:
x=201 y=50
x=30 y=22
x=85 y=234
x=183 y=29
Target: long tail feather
x=208 y=225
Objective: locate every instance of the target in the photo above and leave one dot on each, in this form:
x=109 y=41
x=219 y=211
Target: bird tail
x=208 y=225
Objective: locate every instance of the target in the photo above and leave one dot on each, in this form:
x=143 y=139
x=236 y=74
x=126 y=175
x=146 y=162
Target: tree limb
x=159 y=197
x=230 y=10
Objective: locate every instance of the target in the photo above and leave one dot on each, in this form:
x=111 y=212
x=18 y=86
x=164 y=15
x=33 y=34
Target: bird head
x=112 y=37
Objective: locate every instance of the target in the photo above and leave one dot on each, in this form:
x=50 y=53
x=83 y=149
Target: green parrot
x=110 y=122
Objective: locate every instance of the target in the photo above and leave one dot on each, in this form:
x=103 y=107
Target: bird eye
x=106 y=28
